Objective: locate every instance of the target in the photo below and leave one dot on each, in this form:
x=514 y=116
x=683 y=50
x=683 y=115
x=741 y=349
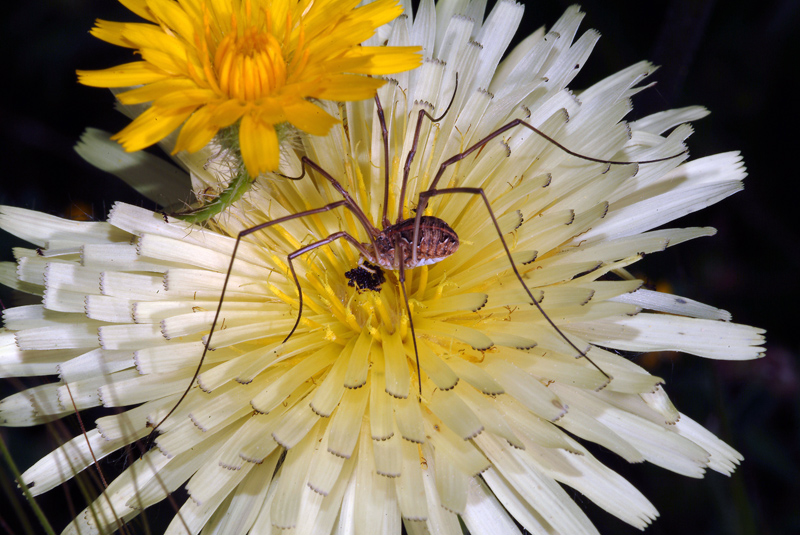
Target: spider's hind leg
x=424 y=196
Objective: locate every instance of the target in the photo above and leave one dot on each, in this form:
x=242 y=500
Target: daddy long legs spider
x=408 y=242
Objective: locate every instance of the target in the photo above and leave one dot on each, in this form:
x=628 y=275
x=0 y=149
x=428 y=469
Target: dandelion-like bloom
x=206 y=65
x=326 y=432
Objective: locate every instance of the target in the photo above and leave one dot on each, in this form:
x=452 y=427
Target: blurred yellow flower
x=207 y=65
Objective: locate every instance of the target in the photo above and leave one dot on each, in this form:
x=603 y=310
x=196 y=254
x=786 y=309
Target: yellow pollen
x=329 y=334
x=250 y=65
x=376 y=334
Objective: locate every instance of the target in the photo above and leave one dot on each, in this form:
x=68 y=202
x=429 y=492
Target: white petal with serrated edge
x=598 y=483
x=195 y=514
x=69 y=336
x=388 y=456
x=724 y=458
x=535 y=489
x=325 y=467
x=527 y=390
x=672 y=304
x=245 y=503
x=489 y=412
x=463 y=453
x=688 y=188
x=103 y=515
x=656 y=443
x=660 y=332
x=376 y=510
x=73 y=457
x=108 y=309
x=380 y=408
x=409 y=485
x=658 y=122
x=294 y=476
x=450 y=407
x=39 y=229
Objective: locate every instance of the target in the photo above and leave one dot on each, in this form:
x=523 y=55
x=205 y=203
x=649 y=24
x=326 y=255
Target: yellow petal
x=348 y=87
x=309 y=117
x=151 y=92
x=140 y=8
x=197 y=132
x=174 y=17
x=380 y=12
x=111 y=32
x=151 y=127
x=126 y=75
x=149 y=36
x=259 y=144
x=228 y=113
x=183 y=99
x=204 y=124
x=384 y=60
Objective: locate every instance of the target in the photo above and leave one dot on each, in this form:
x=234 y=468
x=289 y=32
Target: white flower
x=325 y=433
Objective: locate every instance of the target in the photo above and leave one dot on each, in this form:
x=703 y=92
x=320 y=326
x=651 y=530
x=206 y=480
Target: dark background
x=737 y=58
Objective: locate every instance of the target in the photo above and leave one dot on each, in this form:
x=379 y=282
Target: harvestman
x=407 y=243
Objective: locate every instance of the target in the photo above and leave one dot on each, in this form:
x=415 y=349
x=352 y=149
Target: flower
x=207 y=65
x=326 y=431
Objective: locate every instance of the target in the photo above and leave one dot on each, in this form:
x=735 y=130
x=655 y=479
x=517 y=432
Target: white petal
x=71 y=458
x=672 y=304
x=659 y=332
x=724 y=458
x=664 y=120
x=39 y=228
x=484 y=513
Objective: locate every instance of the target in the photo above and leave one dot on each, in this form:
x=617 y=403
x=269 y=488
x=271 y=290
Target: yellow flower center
x=250 y=65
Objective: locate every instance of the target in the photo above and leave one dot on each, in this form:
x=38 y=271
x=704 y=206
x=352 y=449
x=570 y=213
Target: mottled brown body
x=436 y=242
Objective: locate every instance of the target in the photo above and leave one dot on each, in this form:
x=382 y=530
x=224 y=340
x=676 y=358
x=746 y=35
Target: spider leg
x=207 y=345
x=423 y=200
x=425 y=195
x=311 y=247
x=402 y=278
x=385 y=138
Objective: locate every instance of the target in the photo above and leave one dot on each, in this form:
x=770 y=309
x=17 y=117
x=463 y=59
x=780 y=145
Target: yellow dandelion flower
x=208 y=65
x=334 y=430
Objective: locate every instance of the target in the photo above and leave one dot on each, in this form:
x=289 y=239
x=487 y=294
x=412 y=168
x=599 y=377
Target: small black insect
x=366 y=276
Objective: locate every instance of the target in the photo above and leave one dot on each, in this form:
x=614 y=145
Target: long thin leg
x=402 y=278
x=311 y=247
x=385 y=137
x=413 y=151
x=520 y=122
x=242 y=234
x=479 y=191
x=372 y=232
x=423 y=200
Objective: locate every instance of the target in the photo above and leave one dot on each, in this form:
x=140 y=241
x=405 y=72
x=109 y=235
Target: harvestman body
x=408 y=243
